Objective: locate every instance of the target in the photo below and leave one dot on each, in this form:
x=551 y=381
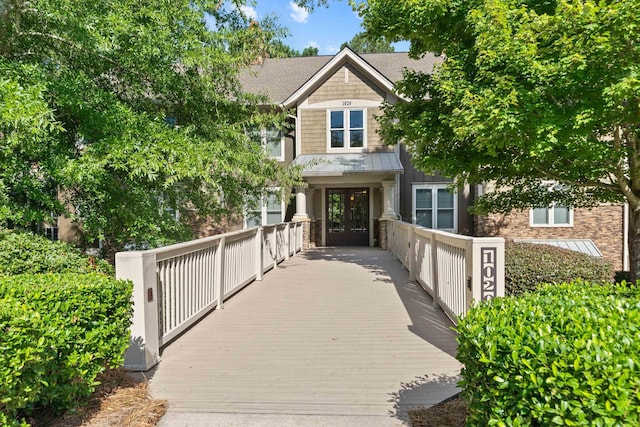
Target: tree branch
x=68 y=43
x=623 y=181
x=632 y=156
x=598 y=184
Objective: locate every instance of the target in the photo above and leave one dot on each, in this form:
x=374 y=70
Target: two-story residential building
x=353 y=179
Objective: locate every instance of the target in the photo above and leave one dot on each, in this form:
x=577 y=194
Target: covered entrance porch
x=345 y=195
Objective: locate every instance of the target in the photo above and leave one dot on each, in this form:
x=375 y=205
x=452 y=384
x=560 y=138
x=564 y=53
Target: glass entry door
x=347 y=217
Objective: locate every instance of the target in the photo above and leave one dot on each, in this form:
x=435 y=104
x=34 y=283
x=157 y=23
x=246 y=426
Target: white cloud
x=249 y=12
x=332 y=49
x=298 y=14
x=313 y=44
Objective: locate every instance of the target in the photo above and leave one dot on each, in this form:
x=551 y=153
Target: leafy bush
x=528 y=265
x=59 y=331
x=29 y=253
x=565 y=355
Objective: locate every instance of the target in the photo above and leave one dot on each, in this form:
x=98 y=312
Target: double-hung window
x=553 y=216
x=347 y=129
x=271 y=210
x=271 y=140
x=435 y=206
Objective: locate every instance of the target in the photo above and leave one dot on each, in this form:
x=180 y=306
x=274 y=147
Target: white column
x=309 y=195
x=388 y=194
x=301 y=205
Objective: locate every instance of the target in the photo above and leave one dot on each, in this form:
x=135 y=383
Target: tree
x=310 y=51
x=529 y=92
x=363 y=43
x=86 y=91
x=277 y=49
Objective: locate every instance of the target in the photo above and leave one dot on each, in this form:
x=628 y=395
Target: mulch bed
x=122 y=399
x=450 y=413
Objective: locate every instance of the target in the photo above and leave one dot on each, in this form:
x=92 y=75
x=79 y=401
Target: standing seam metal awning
x=584 y=246
x=348 y=164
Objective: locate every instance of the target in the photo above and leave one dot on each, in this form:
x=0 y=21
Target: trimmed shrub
x=528 y=265
x=58 y=332
x=22 y=253
x=565 y=355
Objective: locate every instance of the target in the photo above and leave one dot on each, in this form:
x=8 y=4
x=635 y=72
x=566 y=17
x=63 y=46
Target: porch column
x=301 y=205
x=388 y=194
x=309 y=195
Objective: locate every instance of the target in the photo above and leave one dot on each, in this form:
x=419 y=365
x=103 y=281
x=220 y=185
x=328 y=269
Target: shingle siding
x=357 y=87
x=314 y=121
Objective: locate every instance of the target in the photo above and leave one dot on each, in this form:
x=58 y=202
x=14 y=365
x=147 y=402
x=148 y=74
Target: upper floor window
x=434 y=206
x=347 y=128
x=554 y=216
x=271 y=140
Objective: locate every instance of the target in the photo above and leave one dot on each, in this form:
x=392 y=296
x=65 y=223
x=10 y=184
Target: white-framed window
x=271 y=140
x=347 y=129
x=270 y=211
x=435 y=206
x=553 y=216
x=51 y=232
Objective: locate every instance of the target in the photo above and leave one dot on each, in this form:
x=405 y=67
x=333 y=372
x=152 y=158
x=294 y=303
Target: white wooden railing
x=175 y=286
x=454 y=269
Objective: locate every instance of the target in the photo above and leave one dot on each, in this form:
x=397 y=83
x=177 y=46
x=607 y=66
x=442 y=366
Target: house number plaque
x=488 y=273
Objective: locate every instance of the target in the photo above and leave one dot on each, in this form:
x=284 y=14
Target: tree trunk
x=634 y=242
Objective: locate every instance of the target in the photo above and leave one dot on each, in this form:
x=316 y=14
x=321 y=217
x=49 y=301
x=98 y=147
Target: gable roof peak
x=282 y=78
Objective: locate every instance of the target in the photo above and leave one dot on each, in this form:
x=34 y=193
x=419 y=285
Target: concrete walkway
x=335 y=336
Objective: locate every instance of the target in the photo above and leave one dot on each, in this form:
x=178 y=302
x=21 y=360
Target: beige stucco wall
x=602 y=224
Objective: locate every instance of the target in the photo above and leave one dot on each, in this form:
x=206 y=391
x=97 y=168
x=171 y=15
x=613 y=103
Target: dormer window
x=347 y=129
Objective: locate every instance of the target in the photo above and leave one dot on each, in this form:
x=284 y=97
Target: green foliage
x=363 y=43
x=59 y=332
x=529 y=92
x=29 y=151
x=84 y=93
x=567 y=355
x=529 y=265
x=310 y=51
x=22 y=253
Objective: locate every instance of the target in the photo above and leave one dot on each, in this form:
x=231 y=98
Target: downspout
x=625 y=237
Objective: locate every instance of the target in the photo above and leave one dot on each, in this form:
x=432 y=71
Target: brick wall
x=602 y=224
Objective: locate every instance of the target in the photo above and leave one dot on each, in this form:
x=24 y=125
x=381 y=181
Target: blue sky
x=325 y=27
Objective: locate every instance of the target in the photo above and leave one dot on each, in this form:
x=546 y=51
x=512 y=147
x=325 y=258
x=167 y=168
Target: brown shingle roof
x=278 y=78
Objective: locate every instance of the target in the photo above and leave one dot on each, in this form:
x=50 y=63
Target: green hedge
x=22 y=253
x=528 y=265
x=59 y=331
x=566 y=355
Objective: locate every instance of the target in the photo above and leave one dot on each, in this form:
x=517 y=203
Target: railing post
x=287 y=242
x=219 y=278
x=275 y=246
x=485 y=266
x=412 y=254
x=300 y=234
x=258 y=248
x=434 y=270
x=144 y=348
